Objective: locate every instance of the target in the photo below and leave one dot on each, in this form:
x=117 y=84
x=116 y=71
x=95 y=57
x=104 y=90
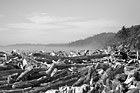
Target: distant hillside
x=93 y=42
x=96 y=41
x=128 y=36
x=43 y=45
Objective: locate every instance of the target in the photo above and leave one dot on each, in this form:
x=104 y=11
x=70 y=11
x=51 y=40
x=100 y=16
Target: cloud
x=34 y=26
x=78 y=24
x=43 y=21
x=101 y=23
x=56 y=29
x=45 y=18
x=71 y=25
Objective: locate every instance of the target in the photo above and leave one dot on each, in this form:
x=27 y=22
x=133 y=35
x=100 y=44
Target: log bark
x=88 y=76
x=63 y=66
x=31 y=83
x=59 y=75
x=31 y=60
x=63 y=78
x=10 y=72
x=16 y=90
x=37 y=75
x=5 y=67
x=72 y=58
x=25 y=74
x=6 y=87
x=50 y=70
x=79 y=82
x=35 y=82
x=3 y=82
x=54 y=85
x=12 y=78
x=3 y=78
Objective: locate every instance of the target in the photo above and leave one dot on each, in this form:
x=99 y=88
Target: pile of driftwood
x=42 y=72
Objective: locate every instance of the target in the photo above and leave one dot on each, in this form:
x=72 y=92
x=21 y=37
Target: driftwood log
x=10 y=72
x=35 y=82
x=80 y=81
x=5 y=67
x=53 y=85
x=16 y=90
x=88 y=76
x=25 y=74
x=47 y=56
x=6 y=87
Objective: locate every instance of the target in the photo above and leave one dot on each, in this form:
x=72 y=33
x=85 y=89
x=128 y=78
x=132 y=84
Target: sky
x=63 y=21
